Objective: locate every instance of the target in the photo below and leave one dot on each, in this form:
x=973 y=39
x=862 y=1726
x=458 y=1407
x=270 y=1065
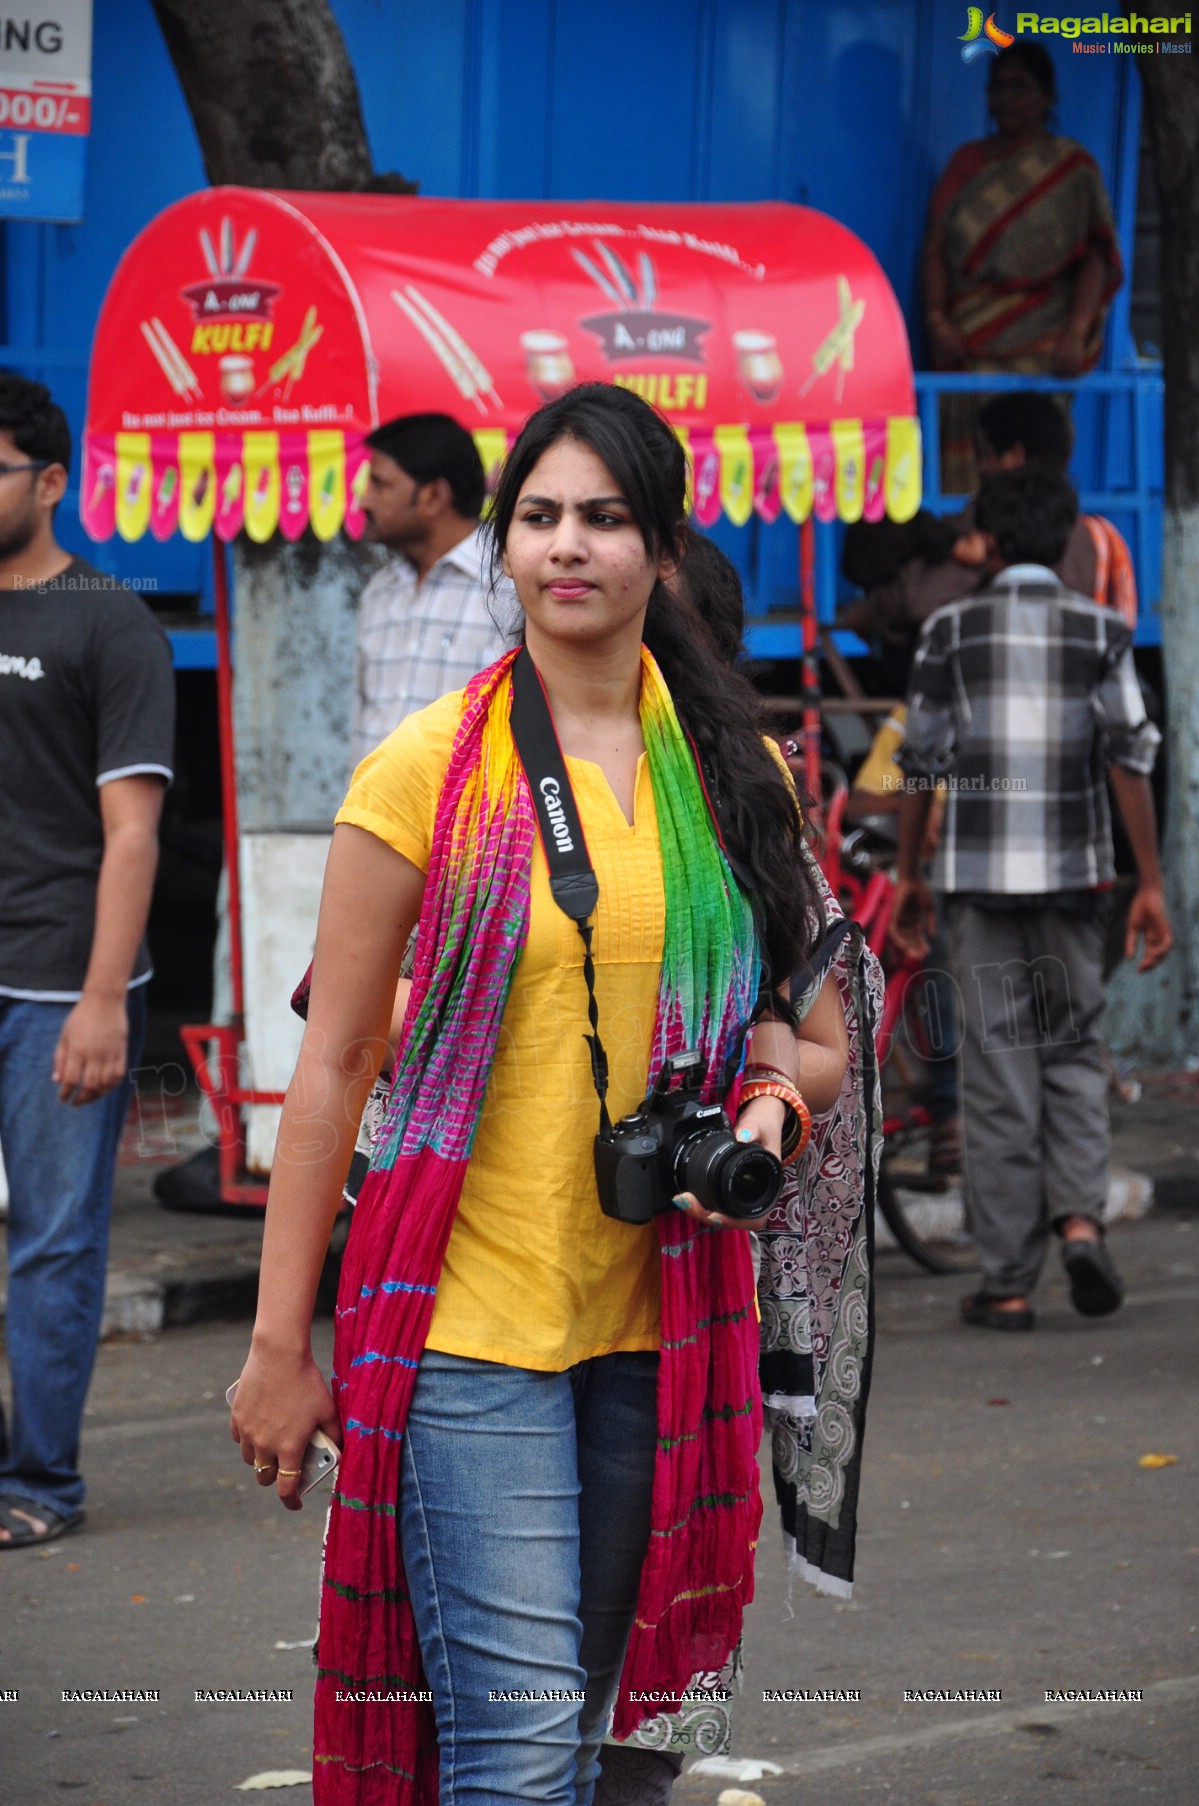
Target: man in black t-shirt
x=86 y=738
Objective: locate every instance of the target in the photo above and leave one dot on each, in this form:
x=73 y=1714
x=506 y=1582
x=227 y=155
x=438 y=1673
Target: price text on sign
x=45 y=112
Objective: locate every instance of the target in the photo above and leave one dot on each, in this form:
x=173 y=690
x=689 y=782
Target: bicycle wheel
x=920 y=1206
x=926 y=1219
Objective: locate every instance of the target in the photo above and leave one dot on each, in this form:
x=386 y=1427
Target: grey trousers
x=1034 y=1080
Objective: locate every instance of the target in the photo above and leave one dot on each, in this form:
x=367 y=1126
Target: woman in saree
x=547 y=1503
x=1020 y=258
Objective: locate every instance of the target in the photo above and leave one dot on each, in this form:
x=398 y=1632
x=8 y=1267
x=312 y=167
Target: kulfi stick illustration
x=617 y=271
x=290 y=365
x=161 y=359
x=358 y=486
x=247 y=251
x=187 y=374
x=102 y=484
x=837 y=346
x=649 y=282
x=597 y=276
x=475 y=367
x=170 y=359
x=617 y=285
x=450 y=361
x=210 y=256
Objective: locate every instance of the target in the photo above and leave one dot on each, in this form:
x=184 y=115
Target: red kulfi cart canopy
x=249 y=339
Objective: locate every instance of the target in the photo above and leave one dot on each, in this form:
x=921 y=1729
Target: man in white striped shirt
x=425 y=624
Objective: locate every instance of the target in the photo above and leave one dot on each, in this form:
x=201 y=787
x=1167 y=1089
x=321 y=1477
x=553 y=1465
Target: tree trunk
x=275 y=104
x=271 y=92
x=1158 y=1016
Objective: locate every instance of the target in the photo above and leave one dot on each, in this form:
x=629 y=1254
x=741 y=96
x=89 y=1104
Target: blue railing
x=1117 y=467
x=1118 y=458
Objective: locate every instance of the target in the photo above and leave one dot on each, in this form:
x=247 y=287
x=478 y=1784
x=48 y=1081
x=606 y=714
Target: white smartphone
x=320 y=1457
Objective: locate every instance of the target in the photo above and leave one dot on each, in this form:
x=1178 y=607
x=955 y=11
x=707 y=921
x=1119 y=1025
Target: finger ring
x=290 y=1473
x=260 y=1467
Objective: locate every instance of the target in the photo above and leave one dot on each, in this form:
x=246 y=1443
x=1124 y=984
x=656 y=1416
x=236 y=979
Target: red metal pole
x=214 y=1048
x=809 y=672
x=224 y=701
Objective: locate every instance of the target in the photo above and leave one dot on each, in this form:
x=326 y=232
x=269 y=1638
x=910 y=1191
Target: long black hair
x=753 y=800
x=709 y=581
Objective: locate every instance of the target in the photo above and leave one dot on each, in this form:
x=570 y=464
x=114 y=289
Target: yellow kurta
x=535 y=1275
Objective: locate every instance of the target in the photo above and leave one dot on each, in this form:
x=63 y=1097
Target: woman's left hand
x=760 y=1120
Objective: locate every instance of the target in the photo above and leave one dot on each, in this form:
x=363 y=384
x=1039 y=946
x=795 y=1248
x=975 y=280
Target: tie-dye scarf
x=373 y=1747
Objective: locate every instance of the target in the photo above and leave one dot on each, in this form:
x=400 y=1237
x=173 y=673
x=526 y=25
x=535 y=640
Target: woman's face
x=576 y=554
x=1017 y=105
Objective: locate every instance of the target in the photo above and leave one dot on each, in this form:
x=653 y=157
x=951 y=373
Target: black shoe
x=984 y=1313
x=1096 y=1288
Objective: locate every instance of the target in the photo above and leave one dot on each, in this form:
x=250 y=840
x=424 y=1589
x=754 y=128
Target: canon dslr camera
x=674 y=1143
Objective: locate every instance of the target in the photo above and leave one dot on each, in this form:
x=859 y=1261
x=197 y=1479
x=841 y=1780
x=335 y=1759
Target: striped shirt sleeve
x=1129 y=737
x=930 y=733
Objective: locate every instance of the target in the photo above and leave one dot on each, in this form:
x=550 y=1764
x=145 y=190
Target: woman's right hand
x=281 y=1399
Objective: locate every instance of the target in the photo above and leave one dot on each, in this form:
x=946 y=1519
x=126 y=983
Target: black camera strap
x=572 y=878
x=573 y=881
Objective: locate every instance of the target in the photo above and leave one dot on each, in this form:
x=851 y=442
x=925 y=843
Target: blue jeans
x=524 y=1518
x=60 y=1160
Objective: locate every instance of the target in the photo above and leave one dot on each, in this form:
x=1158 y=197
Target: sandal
x=1096 y=1288
x=22 y=1535
x=983 y=1312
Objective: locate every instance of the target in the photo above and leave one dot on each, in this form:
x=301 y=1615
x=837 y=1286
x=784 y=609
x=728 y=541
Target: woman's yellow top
x=535 y=1275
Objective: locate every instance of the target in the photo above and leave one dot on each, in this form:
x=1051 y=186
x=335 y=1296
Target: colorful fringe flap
x=698 y=1572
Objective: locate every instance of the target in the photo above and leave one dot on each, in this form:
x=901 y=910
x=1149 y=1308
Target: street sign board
x=45 y=108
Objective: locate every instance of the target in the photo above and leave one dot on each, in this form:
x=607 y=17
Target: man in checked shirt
x=423 y=622
x=1022 y=696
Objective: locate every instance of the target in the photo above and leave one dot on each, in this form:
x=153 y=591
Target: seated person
x=909 y=571
x=878 y=785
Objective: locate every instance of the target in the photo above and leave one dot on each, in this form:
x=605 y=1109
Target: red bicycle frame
x=868 y=900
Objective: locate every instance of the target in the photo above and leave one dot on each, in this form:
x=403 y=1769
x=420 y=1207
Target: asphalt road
x=1010 y=1542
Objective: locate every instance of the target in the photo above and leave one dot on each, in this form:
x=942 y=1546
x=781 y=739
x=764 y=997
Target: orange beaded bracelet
x=798 y=1132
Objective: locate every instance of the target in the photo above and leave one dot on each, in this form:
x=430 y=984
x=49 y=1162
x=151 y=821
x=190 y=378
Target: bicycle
x=925 y=1218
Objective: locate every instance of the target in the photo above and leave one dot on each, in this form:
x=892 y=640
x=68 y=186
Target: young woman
x=549 y=1418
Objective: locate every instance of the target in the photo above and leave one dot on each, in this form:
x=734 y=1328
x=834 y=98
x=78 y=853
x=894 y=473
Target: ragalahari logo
x=982 y=37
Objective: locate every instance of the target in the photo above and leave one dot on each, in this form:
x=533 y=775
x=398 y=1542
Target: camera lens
x=734 y=1180
x=750 y=1181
